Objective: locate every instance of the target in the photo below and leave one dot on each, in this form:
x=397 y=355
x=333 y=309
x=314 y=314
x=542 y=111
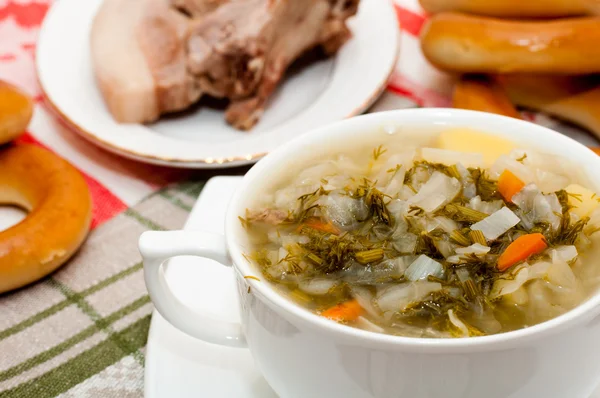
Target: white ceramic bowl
x=304 y=355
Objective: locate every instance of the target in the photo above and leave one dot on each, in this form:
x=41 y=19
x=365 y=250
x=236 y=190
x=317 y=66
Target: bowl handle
x=159 y=246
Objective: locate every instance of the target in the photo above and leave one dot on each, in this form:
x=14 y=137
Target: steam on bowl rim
x=507 y=127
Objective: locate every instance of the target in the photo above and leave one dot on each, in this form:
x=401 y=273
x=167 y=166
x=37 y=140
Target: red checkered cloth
x=81 y=332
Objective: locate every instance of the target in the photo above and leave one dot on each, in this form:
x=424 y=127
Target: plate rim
x=201 y=162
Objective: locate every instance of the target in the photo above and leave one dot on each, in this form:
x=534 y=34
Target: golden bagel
x=515 y=8
x=473 y=44
x=479 y=93
x=16 y=109
x=59 y=205
x=575 y=99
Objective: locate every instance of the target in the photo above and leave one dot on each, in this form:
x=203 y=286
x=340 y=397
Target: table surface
x=82 y=331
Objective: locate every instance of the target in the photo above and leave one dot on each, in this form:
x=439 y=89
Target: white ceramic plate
x=323 y=92
x=178 y=365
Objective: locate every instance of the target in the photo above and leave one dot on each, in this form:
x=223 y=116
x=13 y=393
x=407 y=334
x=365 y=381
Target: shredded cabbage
x=497 y=223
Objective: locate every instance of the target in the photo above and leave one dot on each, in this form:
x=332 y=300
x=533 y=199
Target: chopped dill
x=332 y=250
x=567 y=232
x=563 y=199
x=290 y=259
x=426 y=245
x=453 y=171
x=437 y=304
x=364 y=188
x=470 y=289
x=313 y=195
x=429 y=167
x=307 y=205
x=394 y=170
x=369 y=256
x=478 y=237
x=305 y=213
x=459 y=238
x=415 y=211
x=377 y=152
x=252 y=277
x=260 y=257
x=570 y=235
x=462 y=213
x=544 y=228
x=441 y=281
x=487 y=188
x=378 y=208
x=522 y=158
x=576 y=196
x=409 y=185
x=314 y=258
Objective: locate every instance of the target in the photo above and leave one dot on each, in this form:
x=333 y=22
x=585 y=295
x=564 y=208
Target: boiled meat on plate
x=153 y=57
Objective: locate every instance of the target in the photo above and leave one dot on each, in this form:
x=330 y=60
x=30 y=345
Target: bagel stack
x=545 y=61
x=53 y=192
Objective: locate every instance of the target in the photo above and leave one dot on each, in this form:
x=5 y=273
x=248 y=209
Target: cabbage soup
x=457 y=234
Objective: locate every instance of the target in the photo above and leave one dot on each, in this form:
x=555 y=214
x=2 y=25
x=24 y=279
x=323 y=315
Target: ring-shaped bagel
x=60 y=210
x=16 y=109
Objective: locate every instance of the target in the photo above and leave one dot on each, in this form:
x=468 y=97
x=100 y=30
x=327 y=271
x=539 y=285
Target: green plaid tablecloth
x=82 y=331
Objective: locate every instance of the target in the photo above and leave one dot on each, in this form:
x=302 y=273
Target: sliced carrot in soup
x=344 y=312
x=519 y=250
x=509 y=185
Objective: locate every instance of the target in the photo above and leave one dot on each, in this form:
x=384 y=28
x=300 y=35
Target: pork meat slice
x=161 y=34
x=152 y=57
x=242 y=49
x=139 y=59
